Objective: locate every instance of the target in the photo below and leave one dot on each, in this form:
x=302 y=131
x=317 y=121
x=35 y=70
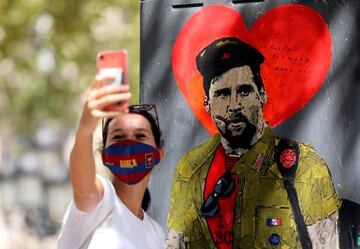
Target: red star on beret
x=226 y=56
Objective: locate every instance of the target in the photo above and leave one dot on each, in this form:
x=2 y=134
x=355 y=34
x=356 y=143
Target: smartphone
x=114 y=64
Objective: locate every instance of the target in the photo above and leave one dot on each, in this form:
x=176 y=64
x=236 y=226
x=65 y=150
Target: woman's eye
x=118 y=137
x=140 y=136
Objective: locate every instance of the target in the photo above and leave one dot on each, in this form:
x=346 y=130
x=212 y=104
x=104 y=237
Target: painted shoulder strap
x=287 y=159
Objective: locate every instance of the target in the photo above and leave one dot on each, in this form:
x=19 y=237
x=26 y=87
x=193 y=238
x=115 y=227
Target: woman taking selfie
x=110 y=214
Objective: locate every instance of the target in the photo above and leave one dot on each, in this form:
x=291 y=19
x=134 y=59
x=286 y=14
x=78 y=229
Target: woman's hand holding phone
x=107 y=100
x=106 y=97
x=99 y=98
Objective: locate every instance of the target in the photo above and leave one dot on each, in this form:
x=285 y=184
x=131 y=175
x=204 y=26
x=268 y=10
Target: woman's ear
x=161 y=152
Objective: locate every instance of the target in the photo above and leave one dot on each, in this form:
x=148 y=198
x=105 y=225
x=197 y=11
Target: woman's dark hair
x=157 y=136
x=145 y=204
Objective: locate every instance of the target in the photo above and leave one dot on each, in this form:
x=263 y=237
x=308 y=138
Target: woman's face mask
x=130 y=161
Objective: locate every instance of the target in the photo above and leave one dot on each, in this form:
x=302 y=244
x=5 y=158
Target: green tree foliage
x=48 y=55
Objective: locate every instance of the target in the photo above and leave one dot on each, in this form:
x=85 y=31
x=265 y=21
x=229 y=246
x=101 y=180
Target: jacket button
x=274 y=239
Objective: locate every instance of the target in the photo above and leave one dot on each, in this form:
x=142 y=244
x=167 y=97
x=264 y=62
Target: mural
x=245 y=187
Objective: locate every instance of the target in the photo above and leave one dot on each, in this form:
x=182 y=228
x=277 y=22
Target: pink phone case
x=114 y=64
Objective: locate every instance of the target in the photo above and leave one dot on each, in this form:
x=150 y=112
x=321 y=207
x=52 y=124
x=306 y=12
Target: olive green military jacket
x=261 y=195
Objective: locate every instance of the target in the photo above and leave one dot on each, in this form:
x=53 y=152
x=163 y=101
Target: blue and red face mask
x=130 y=161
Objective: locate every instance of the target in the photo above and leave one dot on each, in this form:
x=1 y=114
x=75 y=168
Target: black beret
x=224 y=54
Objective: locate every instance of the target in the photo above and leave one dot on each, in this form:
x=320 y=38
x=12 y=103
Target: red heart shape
x=294 y=39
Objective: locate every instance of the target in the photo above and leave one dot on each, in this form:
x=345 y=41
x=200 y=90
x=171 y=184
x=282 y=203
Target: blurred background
x=47 y=59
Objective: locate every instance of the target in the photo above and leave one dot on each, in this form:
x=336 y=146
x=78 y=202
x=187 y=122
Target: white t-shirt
x=110 y=225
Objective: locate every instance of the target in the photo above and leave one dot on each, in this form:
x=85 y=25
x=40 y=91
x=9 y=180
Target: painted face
x=130 y=126
x=235 y=104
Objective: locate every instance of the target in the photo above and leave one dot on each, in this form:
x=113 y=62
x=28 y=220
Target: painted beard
x=238 y=131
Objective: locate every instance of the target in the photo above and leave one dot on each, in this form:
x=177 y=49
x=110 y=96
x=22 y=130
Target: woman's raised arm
x=87 y=189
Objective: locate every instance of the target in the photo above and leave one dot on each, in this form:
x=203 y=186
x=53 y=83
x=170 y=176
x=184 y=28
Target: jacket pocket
x=275 y=227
